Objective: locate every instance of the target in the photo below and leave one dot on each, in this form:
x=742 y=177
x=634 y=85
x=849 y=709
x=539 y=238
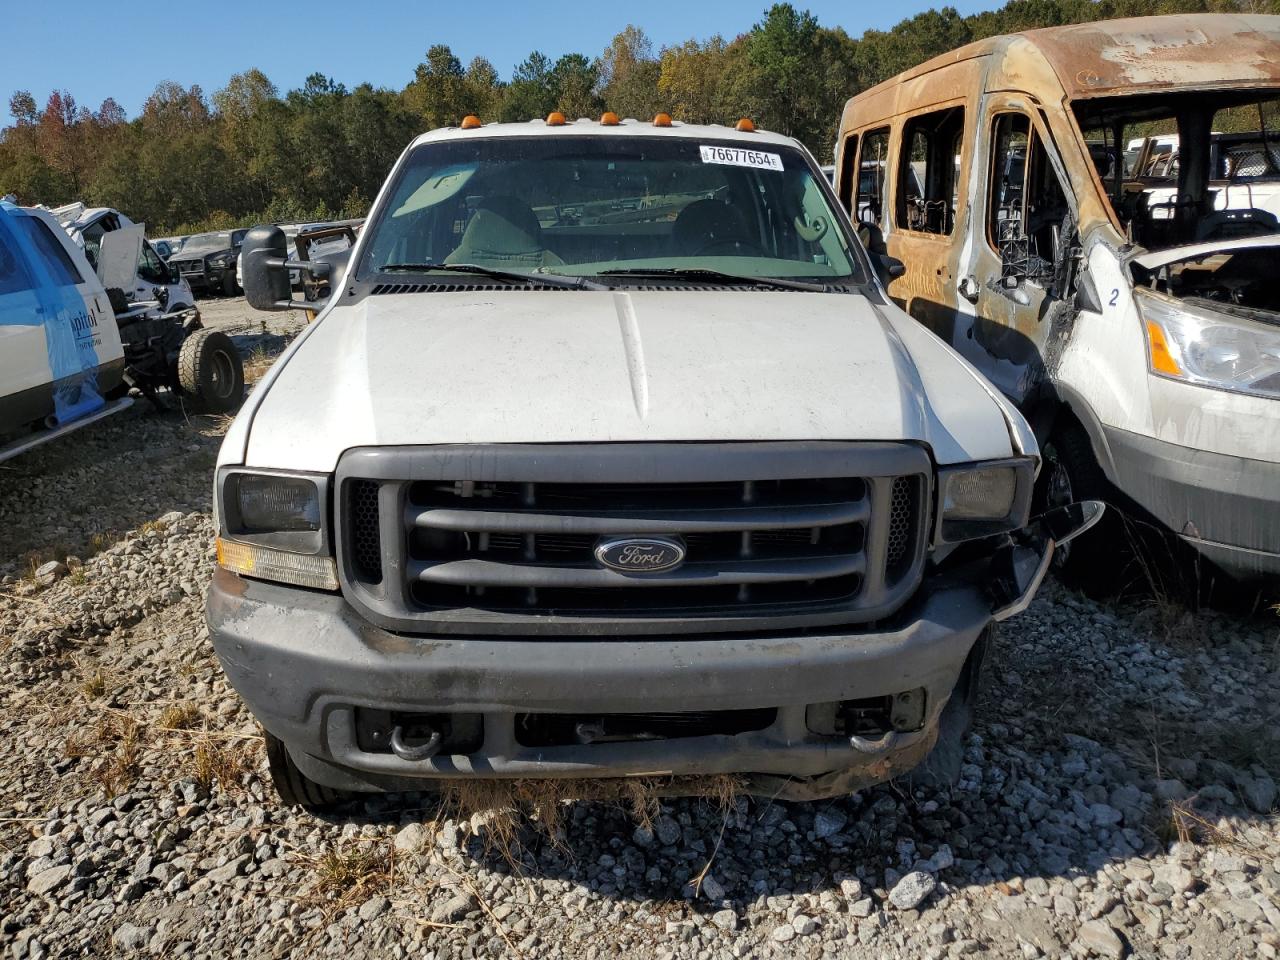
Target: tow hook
x=423 y=751
x=875 y=747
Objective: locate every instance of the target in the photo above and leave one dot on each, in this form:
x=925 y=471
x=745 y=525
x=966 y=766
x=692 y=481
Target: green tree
x=628 y=75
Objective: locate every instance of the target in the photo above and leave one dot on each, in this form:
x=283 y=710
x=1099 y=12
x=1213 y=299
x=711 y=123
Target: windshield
x=1188 y=167
x=208 y=241
x=585 y=206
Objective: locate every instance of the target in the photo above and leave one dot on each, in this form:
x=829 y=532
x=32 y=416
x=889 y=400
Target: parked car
x=1119 y=290
x=608 y=457
x=87 y=225
x=207 y=261
x=71 y=347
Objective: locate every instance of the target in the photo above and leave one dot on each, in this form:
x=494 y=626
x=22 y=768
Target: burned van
x=1091 y=215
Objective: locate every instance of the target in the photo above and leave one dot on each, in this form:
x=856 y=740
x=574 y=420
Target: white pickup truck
x=609 y=457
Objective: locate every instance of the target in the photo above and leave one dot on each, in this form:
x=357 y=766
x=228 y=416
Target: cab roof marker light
x=745 y=125
x=609 y=119
x=555 y=119
x=470 y=122
x=662 y=120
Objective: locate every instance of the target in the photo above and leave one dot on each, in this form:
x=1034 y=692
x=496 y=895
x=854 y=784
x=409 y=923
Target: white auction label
x=737 y=157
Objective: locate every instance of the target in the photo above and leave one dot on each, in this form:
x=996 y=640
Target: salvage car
x=1097 y=229
x=207 y=261
x=71 y=348
x=608 y=457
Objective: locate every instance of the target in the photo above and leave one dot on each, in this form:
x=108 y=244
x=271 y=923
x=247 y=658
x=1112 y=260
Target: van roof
x=626 y=128
x=1135 y=55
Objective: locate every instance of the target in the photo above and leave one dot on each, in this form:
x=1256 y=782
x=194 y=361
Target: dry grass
x=350 y=872
x=179 y=716
x=220 y=763
x=507 y=807
x=257 y=363
x=156 y=526
x=116 y=741
x=96 y=685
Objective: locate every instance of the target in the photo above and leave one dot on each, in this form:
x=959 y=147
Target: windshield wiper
x=702 y=273
x=514 y=276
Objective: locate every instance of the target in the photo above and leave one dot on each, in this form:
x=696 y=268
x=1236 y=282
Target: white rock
x=912 y=890
x=783 y=932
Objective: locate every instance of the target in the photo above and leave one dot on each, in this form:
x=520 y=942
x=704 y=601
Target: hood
x=508 y=366
x=1198 y=251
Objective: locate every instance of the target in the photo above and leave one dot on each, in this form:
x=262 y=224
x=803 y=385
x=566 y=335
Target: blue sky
x=95 y=49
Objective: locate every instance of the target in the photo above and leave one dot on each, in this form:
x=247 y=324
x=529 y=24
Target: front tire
x=295 y=788
x=1070 y=474
x=210 y=371
x=229 y=286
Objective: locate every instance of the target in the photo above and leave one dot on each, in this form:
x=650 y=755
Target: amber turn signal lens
x=470 y=122
x=745 y=126
x=1162 y=360
x=662 y=120
x=555 y=119
x=609 y=119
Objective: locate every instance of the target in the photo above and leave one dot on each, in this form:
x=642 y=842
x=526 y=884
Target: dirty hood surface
x=504 y=366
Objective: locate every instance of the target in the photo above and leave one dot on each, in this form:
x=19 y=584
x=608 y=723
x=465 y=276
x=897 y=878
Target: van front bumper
x=1227 y=508
x=306 y=664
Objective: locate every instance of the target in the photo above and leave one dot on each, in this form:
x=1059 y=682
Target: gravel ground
x=1118 y=796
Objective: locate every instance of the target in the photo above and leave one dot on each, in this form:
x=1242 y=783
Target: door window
x=848 y=159
x=929 y=171
x=873 y=181
x=14 y=277
x=62 y=269
x=150 y=267
x=1027 y=207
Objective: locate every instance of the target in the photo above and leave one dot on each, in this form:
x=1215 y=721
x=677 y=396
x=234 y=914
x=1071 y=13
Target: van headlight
x=982 y=499
x=1211 y=349
x=273 y=526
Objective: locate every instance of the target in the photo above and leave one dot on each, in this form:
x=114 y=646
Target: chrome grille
x=501 y=553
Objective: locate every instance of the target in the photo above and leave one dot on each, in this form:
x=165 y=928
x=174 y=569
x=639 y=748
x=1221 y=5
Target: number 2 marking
x=1115 y=296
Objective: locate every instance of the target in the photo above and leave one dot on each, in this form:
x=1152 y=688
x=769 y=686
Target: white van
x=154 y=279
x=60 y=349
x=69 y=352
x=1130 y=310
x=607 y=457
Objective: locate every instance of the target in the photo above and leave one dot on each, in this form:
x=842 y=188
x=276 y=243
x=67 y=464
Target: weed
x=224 y=765
x=156 y=526
x=179 y=716
x=117 y=770
x=95 y=685
x=351 y=873
x=506 y=807
x=77 y=577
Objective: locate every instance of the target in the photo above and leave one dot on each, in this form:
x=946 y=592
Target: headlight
x=220 y=261
x=1201 y=346
x=272 y=526
x=269 y=503
x=982 y=499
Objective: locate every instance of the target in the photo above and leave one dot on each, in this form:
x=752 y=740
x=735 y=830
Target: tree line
x=246 y=154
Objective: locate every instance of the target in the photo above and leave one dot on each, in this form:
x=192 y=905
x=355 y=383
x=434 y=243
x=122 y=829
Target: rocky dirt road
x=1118 y=796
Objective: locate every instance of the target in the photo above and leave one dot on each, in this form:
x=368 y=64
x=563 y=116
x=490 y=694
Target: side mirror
x=175 y=275
x=892 y=266
x=266 y=275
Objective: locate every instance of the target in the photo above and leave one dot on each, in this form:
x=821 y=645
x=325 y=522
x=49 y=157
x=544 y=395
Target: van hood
x=520 y=366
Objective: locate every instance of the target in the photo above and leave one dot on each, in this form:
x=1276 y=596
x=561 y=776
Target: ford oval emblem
x=641 y=554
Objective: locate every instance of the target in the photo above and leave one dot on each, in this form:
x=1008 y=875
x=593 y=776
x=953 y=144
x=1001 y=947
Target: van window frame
x=903 y=132
x=886 y=205
x=847 y=175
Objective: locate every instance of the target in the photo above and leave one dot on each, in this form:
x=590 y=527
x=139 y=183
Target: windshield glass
x=208 y=241
x=583 y=206
x=1188 y=167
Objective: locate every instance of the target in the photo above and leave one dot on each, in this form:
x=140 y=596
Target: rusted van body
x=1130 y=310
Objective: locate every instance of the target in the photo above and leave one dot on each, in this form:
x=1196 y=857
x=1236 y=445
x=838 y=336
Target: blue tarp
x=55 y=304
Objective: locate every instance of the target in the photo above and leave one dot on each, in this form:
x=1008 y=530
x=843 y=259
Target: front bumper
x=1227 y=508
x=305 y=663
